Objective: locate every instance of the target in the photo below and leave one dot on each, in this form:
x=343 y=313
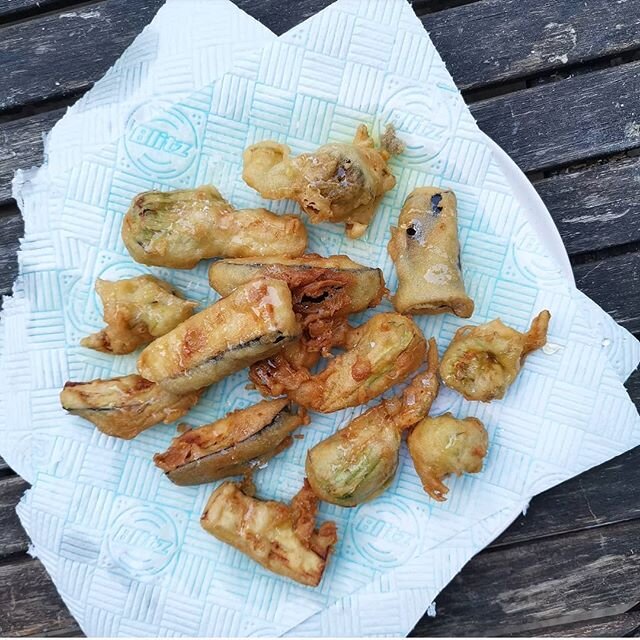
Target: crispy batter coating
x=337 y=183
x=324 y=291
x=483 y=361
x=179 y=228
x=443 y=445
x=359 y=461
x=252 y=323
x=124 y=407
x=281 y=538
x=380 y=353
x=137 y=311
x=231 y=446
x=426 y=252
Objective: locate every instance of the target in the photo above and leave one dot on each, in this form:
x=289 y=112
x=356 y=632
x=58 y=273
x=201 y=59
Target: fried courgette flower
x=137 y=311
x=281 y=538
x=324 y=292
x=359 y=461
x=179 y=228
x=426 y=252
x=482 y=362
x=231 y=446
x=124 y=407
x=379 y=354
x=337 y=183
x=254 y=322
x=443 y=445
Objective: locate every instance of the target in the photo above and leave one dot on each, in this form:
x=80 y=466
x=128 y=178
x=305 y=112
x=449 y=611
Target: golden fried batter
x=252 y=323
x=483 y=361
x=359 y=461
x=380 y=353
x=124 y=407
x=336 y=183
x=137 y=310
x=426 y=252
x=231 y=446
x=281 y=538
x=179 y=228
x=443 y=445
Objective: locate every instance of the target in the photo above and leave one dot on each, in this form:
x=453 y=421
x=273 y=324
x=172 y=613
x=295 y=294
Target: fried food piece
x=358 y=462
x=137 y=311
x=443 y=445
x=323 y=289
x=124 y=407
x=380 y=353
x=231 y=446
x=481 y=362
x=252 y=323
x=425 y=249
x=336 y=183
x=179 y=228
x=281 y=538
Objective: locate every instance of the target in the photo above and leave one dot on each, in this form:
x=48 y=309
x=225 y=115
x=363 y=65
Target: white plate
x=535 y=209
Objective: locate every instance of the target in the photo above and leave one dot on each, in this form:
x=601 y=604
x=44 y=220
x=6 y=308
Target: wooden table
x=557 y=84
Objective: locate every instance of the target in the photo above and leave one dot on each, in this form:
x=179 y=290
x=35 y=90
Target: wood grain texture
x=597 y=207
x=554 y=581
x=567 y=121
x=13 y=539
x=614 y=283
x=11 y=230
x=21 y=146
x=64 y=52
x=546 y=36
x=18 y=9
x=31 y=605
x=4 y=467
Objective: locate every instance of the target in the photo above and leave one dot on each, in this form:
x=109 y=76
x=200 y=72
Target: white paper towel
x=550 y=440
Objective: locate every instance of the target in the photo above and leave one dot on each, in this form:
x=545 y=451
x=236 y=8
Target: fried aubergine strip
x=124 y=407
x=359 y=462
x=179 y=228
x=380 y=353
x=426 y=253
x=324 y=290
x=337 y=183
x=137 y=311
x=281 y=538
x=443 y=445
x=231 y=446
x=482 y=361
x=252 y=323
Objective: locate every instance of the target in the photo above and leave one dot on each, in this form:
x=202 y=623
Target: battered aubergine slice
x=252 y=323
x=282 y=538
x=231 y=446
x=179 y=228
x=426 y=253
x=124 y=407
x=333 y=285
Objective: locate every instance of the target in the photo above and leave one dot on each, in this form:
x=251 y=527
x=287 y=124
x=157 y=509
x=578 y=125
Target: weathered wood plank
x=581 y=503
x=547 y=36
x=31 y=605
x=21 y=146
x=614 y=283
x=596 y=207
x=13 y=538
x=60 y=53
x=619 y=626
x=554 y=581
x=558 y=123
x=3 y=466
x=18 y=9
x=11 y=230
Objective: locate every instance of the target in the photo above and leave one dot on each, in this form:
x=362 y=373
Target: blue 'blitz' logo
x=142 y=541
x=164 y=146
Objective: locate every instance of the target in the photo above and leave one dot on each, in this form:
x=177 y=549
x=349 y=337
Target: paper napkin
x=122 y=544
